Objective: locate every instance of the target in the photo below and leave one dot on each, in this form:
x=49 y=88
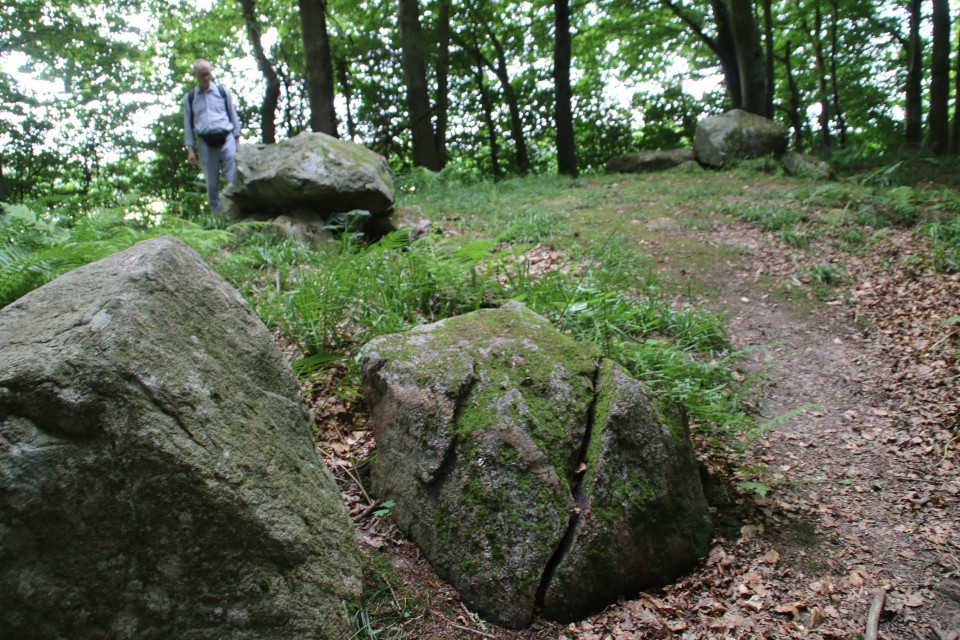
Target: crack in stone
x=579 y=499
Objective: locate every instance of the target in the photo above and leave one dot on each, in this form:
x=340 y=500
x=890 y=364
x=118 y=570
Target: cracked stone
x=588 y=492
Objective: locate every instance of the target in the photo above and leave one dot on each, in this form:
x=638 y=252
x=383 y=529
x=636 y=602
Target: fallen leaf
x=914 y=600
x=817 y=618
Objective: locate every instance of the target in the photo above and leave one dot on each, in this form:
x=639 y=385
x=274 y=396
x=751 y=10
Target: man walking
x=210 y=122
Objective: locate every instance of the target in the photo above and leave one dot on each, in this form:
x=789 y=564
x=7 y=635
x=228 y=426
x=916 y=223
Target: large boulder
x=737 y=135
x=649 y=161
x=803 y=166
x=157 y=475
x=308 y=172
x=530 y=471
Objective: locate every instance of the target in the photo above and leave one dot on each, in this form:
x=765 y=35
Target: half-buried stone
x=157 y=475
x=530 y=472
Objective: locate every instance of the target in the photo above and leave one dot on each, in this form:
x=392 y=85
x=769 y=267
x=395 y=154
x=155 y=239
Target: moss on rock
x=482 y=422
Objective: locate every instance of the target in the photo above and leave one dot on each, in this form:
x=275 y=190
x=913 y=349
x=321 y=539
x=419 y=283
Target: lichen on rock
x=157 y=474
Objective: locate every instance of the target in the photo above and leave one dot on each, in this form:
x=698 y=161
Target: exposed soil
x=862 y=468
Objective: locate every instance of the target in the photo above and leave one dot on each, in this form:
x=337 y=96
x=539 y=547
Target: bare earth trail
x=848 y=514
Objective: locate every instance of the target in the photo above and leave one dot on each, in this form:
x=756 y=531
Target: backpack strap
x=190 y=95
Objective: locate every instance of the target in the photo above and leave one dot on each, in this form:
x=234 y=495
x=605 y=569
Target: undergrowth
x=38 y=245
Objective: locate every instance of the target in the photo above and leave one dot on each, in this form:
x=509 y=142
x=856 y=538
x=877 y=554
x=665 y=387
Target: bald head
x=202 y=72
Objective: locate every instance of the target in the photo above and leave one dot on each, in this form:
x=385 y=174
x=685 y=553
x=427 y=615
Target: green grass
x=943 y=237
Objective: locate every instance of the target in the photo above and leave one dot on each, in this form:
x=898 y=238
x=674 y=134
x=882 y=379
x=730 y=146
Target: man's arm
x=232 y=114
x=189 y=139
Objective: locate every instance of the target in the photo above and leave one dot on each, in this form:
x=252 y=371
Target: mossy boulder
x=649 y=161
x=157 y=474
x=531 y=472
x=311 y=172
x=801 y=165
x=737 y=134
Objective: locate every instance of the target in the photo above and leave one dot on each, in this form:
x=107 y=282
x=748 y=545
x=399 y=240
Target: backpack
x=223 y=94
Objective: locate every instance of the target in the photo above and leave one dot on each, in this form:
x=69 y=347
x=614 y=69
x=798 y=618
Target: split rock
x=649 y=161
x=157 y=475
x=529 y=471
x=737 y=134
x=310 y=171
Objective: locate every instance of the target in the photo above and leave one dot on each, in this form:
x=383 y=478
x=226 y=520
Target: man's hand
x=191 y=158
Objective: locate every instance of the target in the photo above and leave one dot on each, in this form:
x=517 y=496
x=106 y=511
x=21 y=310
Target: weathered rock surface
x=649 y=161
x=311 y=171
x=804 y=166
x=493 y=429
x=737 y=134
x=157 y=475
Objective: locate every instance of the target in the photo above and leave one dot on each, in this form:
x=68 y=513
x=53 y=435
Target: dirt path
x=852 y=511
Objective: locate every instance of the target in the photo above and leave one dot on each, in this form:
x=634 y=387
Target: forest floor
x=859 y=466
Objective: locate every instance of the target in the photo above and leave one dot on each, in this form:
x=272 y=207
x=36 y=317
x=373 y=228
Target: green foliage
x=826 y=274
x=943 y=237
x=791 y=225
x=39 y=246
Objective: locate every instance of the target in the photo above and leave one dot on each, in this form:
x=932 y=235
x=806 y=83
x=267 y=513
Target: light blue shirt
x=210 y=113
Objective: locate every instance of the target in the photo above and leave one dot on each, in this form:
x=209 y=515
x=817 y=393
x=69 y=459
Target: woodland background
x=91 y=91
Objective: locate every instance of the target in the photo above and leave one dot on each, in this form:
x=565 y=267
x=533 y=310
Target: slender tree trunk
x=726 y=51
x=3 y=183
x=955 y=132
x=768 y=57
x=938 y=121
x=516 y=121
x=418 y=98
x=913 y=126
x=318 y=65
x=271 y=92
x=443 y=68
x=563 y=107
x=841 y=122
x=822 y=94
x=343 y=77
x=794 y=112
x=753 y=85
x=488 y=120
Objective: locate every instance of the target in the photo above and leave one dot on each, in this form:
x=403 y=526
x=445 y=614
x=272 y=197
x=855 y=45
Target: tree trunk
x=488 y=119
x=3 y=183
x=955 y=132
x=516 y=121
x=841 y=122
x=318 y=66
x=938 y=121
x=443 y=68
x=753 y=84
x=563 y=107
x=794 y=112
x=343 y=77
x=768 y=57
x=722 y=46
x=418 y=99
x=726 y=51
x=822 y=93
x=271 y=93
x=913 y=125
